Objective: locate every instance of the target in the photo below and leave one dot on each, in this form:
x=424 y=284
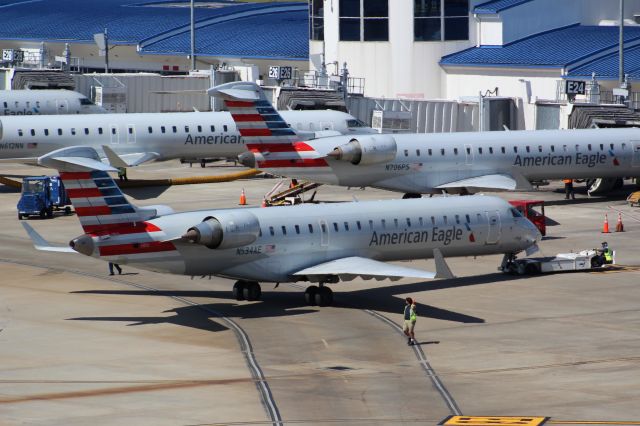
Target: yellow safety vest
x=608 y=255
x=412 y=313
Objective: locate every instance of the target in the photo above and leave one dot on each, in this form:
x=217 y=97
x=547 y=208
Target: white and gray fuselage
x=46 y=102
x=424 y=163
x=271 y=244
x=170 y=135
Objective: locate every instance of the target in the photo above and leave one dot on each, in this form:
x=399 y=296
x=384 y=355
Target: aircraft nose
x=532 y=233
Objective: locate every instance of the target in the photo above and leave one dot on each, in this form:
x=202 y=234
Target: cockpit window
x=515 y=212
x=355 y=123
x=85 y=101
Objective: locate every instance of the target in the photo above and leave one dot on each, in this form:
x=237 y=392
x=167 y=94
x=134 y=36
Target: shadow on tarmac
x=288 y=303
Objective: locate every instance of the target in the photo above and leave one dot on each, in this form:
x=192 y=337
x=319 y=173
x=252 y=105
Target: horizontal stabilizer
x=41 y=244
x=349 y=268
x=129 y=160
x=74 y=159
x=493 y=181
x=237 y=90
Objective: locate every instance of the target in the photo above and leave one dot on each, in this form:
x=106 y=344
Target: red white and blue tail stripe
x=274 y=144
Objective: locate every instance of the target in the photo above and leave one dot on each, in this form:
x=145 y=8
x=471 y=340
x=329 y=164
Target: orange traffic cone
x=619 y=225
x=243 y=199
x=605 y=227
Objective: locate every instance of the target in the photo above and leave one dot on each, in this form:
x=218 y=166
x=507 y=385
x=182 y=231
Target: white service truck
x=584 y=260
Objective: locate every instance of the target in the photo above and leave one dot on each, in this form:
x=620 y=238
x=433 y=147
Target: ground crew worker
x=122 y=174
x=607 y=253
x=568 y=189
x=410 y=318
x=112 y=265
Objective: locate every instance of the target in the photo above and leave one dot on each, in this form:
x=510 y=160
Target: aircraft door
x=62 y=106
x=131 y=133
x=469 y=154
x=635 y=156
x=493 y=227
x=324 y=234
x=113 y=132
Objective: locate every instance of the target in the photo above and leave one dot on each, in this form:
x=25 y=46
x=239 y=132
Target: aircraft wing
x=490 y=181
x=129 y=160
x=349 y=268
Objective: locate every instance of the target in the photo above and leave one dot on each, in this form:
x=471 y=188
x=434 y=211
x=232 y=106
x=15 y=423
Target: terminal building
x=406 y=65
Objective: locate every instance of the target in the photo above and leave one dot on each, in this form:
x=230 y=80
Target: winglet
x=114 y=159
x=74 y=159
x=442 y=269
x=41 y=244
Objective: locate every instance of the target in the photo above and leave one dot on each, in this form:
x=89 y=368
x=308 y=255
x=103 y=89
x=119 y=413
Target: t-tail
x=270 y=142
x=113 y=227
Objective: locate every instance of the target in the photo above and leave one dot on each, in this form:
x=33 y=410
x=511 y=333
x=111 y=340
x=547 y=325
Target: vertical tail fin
x=271 y=143
x=98 y=201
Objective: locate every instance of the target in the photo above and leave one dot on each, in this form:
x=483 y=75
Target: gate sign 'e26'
x=575 y=87
x=280 y=73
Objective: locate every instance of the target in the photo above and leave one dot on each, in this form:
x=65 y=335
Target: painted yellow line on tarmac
x=592 y=422
x=493 y=421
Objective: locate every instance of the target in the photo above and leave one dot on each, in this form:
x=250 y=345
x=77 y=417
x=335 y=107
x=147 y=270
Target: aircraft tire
x=251 y=291
x=310 y=295
x=597 y=261
x=324 y=296
x=531 y=269
x=50 y=212
x=43 y=213
x=238 y=290
x=19 y=216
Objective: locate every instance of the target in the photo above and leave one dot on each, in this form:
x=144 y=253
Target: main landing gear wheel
x=247 y=290
x=318 y=296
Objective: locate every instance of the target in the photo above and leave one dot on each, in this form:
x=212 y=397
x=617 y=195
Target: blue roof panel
x=606 y=67
x=496 y=6
x=553 y=49
x=134 y=21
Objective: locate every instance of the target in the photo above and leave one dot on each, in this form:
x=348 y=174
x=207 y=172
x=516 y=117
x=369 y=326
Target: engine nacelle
x=225 y=230
x=366 y=150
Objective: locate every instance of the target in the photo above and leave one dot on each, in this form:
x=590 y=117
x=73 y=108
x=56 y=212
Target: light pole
x=193 y=37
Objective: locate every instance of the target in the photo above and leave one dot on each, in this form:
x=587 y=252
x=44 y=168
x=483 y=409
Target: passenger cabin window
x=445 y=219
x=418 y=152
x=113 y=130
x=468 y=218
x=458 y=219
x=5 y=105
x=429 y=151
x=297 y=229
x=528 y=148
x=346 y=226
x=86 y=130
x=577 y=147
x=46 y=132
x=150 y=129
x=324 y=228
x=611 y=145
x=455 y=151
x=199 y=129
x=272 y=231
x=408 y=222
x=553 y=148
x=186 y=129
x=515 y=149
x=480 y=150
x=310 y=228
x=490 y=150
x=469 y=150
x=162 y=129
x=406 y=152
x=601 y=147
x=370 y=224
x=213 y=128
x=420 y=221
x=99 y=130
x=539 y=148
x=395 y=222
x=589 y=147
x=225 y=129
x=504 y=151
x=384 y=223
x=358 y=225
x=441 y=151
x=335 y=226
x=284 y=230
x=175 y=129
x=433 y=220
x=73 y=131
x=59 y=132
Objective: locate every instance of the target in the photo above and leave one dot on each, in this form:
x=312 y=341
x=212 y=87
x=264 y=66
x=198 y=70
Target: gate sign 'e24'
x=575 y=87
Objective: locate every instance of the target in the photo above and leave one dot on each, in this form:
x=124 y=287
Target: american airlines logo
x=213 y=140
x=442 y=235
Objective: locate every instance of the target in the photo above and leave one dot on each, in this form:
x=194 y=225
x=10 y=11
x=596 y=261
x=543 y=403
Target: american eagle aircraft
x=317 y=243
x=133 y=139
x=46 y=102
x=428 y=163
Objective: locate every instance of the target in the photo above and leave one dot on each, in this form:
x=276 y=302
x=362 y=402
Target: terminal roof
x=575 y=48
x=230 y=29
x=496 y=6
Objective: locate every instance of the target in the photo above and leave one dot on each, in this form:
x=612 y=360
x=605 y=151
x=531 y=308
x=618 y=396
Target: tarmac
x=78 y=346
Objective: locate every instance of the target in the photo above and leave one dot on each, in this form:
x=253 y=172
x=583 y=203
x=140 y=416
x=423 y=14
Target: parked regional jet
x=142 y=137
x=316 y=243
x=46 y=102
x=428 y=163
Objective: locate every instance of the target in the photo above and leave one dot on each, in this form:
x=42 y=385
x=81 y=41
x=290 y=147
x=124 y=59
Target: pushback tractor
x=41 y=195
